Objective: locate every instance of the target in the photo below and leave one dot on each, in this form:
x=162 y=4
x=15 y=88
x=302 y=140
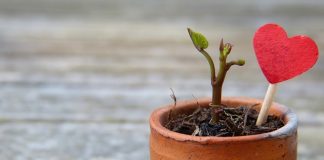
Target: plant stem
x=218 y=83
x=223 y=68
x=212 y=72
x=220 y=80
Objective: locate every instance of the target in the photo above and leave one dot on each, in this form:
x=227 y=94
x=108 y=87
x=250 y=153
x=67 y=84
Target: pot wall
x=277 y=145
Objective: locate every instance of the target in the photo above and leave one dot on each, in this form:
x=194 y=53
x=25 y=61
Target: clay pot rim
x=287 y=130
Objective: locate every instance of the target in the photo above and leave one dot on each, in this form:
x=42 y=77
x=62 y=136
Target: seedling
x=201 y=43
x=221 y=120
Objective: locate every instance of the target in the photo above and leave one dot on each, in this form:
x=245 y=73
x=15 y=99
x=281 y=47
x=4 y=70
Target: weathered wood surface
x=78 y=79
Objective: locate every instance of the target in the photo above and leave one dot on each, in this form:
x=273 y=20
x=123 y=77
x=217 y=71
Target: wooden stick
x=263 y=115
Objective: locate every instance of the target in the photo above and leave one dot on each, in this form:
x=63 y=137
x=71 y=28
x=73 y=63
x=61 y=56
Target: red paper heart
x=282 y=58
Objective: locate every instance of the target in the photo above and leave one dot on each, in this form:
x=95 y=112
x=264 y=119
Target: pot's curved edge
x=287 y=130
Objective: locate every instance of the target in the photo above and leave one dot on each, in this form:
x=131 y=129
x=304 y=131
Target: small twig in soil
x=247 y=112
x=174 y=98
x=246 y=116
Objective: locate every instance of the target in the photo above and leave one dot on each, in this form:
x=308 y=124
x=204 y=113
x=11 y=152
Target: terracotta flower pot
x=277 y=145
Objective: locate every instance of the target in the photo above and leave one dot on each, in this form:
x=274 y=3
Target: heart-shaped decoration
x=282 y=58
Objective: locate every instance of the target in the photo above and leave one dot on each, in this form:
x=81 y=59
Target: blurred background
x=79 y=78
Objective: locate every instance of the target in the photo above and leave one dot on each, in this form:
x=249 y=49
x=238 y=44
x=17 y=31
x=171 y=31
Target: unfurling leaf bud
x=227 y=48
x=221 y=46
x=241 y=62
x=198 y=39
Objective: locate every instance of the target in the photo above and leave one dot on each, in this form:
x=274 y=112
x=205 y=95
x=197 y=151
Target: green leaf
x=198 y=39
